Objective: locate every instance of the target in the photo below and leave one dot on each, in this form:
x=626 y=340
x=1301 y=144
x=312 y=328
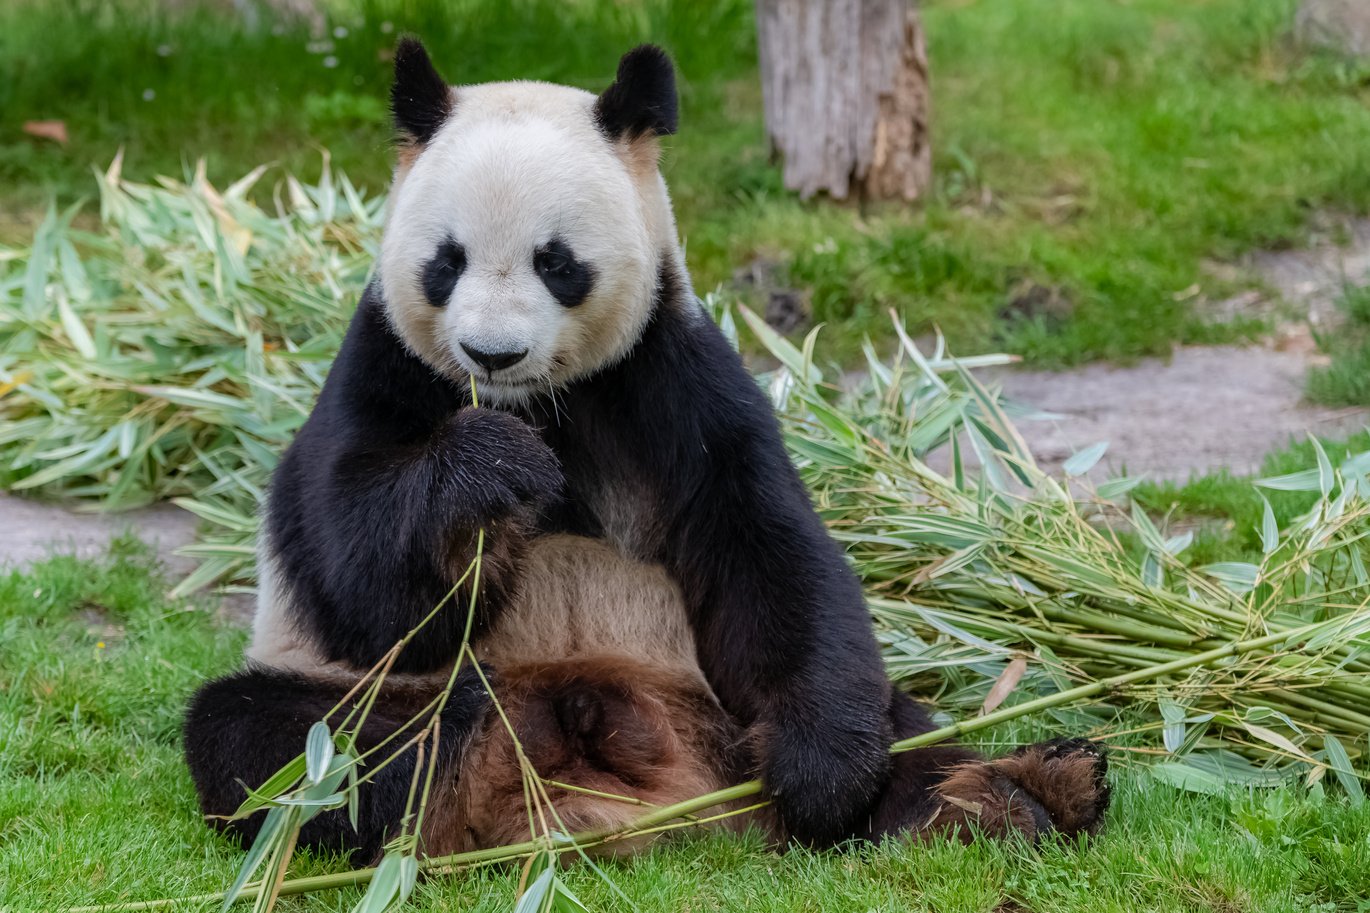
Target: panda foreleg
x=242 y=728
x=401 y=525
x=786 y=643
x=1056 y=786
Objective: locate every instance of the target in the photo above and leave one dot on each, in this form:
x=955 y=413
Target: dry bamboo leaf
x=974 y=808
x=1004 y=684
x=55 y=130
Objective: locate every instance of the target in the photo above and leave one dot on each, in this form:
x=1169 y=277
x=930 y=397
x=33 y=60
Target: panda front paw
x=822 y=781
x=498 y=463
x=469 y=702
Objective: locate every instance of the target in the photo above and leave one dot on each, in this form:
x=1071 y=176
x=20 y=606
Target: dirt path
x=31 y=530
x=1203 y=409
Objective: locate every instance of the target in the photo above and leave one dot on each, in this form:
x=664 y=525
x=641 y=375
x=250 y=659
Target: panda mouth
x=510 y=380
x=512 y=384
x=499 y=387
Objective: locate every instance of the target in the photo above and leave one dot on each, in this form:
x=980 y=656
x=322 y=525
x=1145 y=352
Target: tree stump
x=1342 y=25
x=845 y=87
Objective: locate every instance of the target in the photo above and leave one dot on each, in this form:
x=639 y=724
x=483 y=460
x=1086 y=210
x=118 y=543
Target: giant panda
x=660 y=609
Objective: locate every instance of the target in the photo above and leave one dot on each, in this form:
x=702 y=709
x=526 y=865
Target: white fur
x=577 y=598
x=515 y=165
x=277 y=640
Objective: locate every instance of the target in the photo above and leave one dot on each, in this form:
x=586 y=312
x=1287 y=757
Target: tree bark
x=845 y=85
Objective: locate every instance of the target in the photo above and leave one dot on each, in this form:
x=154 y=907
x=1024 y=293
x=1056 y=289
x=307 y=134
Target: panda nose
x=493 y=361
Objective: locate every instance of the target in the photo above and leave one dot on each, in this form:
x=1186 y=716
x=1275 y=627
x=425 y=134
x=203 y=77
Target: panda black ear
x=642 y=99
x=420 y=99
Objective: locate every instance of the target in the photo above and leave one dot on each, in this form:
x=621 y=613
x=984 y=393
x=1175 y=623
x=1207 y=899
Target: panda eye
x=567 y=277
x=440 y=274
x=453 y=258
x=552 y=263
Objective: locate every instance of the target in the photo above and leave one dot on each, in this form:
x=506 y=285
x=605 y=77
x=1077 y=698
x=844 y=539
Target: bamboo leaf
x=1146 y=529
x=538 y=895
x=1083 y=461
x=1177 y=544
x=1304 y=480
x=1274 y=738
x=780 y=347
x=185 y=396
x=1004 y=684
x=1340 y=762
x=1261 y=713
x=36 y=270
x=1185 y=776
x=318 y=752
x=1173 y=732
x=278 y=784
x=1153 y=575
x=266 y=839
x=76 y=330
x=566 y=902
x=409 y=876
x=1116 y=488
x=1326 y=477
x=1238 y=576
x=383 y=891
x=911 y=350
x=1270 y=529
x=353 y=794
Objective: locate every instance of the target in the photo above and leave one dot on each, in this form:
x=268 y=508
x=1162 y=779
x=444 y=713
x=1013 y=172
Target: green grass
x=96 y=806
x=1093 y=156
x=1346 y=380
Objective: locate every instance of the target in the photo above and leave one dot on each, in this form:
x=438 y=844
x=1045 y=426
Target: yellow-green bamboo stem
x=1347 y=718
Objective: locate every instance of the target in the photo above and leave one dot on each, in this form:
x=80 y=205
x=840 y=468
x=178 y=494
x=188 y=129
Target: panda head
x=527 y=222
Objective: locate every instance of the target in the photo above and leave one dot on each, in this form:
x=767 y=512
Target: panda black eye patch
x=440 y=274
x=568 y=279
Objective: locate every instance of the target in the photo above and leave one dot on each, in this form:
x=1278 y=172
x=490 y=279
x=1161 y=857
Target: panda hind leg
x=1057 y=786
x=244 y=727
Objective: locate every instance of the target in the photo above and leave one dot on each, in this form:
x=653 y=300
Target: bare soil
x=1205 y=408
x=31 y=530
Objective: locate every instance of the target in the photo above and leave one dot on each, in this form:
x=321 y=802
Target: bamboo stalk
x=1144 y=657
x=742 y=790
x=1346 y=717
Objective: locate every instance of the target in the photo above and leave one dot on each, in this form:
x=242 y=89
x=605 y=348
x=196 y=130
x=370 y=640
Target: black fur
x=244 y=727
x=420 y=99
x=908 y=802
x=440 y=274
x=642 y=99
x=567 y=278
x=375 y=507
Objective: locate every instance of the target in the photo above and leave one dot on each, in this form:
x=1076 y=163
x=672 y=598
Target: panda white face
x=521 y=244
